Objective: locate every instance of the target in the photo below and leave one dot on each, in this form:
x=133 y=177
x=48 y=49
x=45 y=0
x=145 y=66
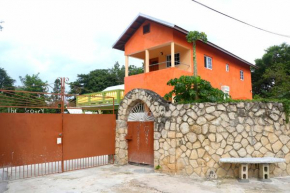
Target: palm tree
x=192 y=37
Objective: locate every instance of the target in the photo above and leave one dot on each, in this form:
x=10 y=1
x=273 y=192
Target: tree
x=271 y=78
x=98 y=80
x=133 y=70
x=32 y=83
x=192 y=37
x=6 y=82
x=189 y=89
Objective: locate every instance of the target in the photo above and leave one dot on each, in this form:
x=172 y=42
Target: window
x=207 y=62
x=226 y=90
x=241 y=75
x=146 y=29
x=176 y=59
x=227 y=68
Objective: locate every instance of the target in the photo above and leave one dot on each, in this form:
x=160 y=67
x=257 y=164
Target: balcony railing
x=104 y=98
x=168 y=62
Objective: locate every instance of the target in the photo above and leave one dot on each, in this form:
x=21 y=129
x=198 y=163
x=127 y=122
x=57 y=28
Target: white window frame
x=226 y=90
x=242 y=75
x=208 y=63
x=227 y=67
x=168 y=60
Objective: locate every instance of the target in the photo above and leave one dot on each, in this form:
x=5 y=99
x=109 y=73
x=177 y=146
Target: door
x=140 y=142
x=153 y=64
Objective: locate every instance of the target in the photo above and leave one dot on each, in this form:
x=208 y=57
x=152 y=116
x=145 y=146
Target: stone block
x=210 y=109
x=200 y=112
x=272 y=137
x=200 y=152
x=184 y=118
x=233 y=153
x=205 y=129
x=277 y=146
x=284 y=139
x=191 y=137
x=220 y=151
x=242 y=152
x=225 y=117
x=184 y=128
x=191 y=114
x=211 y=137
x=221 y=107
x=219 y=137
x=230 y=140
x=189 y=145
x=201 y=138
x=166 y=146
x=171 y=134
x=237 y=146
x=197 y=144
x=201 y=121
x=257 y=146
x=209 y=117
x=193 y=155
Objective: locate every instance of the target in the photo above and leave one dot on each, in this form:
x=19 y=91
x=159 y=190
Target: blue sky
x=65 y=38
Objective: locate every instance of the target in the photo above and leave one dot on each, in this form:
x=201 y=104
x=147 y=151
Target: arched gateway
x=137 y=125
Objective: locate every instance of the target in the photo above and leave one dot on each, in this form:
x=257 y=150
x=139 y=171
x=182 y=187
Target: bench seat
x=253 y=160
x=264 y=169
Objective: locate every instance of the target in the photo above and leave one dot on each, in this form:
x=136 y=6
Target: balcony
x=155 y=80
x=161 y=64
x=100 y=100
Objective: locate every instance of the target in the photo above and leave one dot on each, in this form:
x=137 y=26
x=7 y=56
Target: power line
x=287 y=36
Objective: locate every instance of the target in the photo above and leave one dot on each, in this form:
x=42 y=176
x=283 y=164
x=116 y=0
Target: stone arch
x=157 y=105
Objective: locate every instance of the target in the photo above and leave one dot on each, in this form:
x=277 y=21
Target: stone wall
x=190 y=139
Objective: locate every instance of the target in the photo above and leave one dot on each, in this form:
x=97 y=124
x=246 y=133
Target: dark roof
x=138 y=21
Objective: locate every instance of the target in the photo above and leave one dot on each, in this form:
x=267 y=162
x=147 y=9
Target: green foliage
x=158 y=167
x=32 y=83
x=192 y=37
x=100 y=79
x=189 y=89
x=286 y=107
x=6 y=82
x=272 y=77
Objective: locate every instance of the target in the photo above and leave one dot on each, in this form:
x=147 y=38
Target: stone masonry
x=190 y=139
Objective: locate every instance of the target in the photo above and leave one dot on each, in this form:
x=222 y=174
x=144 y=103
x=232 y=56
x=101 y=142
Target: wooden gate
x=33 y=145
x=140 y=142
x=39 y=137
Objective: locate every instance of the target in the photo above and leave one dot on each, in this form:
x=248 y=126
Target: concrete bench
x=263 y=166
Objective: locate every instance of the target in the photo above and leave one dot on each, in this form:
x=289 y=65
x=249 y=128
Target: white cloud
x=66 y=38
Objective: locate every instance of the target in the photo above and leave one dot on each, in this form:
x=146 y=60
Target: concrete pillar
x=172 y=55
x=126 y=66
x=146 y=61
x=243 y=173
x=264 y=172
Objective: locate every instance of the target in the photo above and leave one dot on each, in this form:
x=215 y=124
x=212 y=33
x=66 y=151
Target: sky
x=60 y=38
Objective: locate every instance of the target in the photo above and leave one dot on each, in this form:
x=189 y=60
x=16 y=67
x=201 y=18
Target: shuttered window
x=207 y=62
x=241 y=75
x=146 y=29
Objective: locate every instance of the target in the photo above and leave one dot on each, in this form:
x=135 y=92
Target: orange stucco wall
x=218 y=76
x=156 y=80
x=159 y=34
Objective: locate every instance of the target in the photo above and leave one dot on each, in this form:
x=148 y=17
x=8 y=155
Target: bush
x=189 y=89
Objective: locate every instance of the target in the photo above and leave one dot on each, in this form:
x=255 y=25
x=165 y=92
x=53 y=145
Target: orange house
x=167 y=55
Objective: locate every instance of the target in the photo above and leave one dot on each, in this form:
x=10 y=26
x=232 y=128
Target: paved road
x=131 y=179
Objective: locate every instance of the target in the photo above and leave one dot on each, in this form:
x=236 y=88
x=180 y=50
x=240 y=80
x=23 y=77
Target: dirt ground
x=137 y=179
